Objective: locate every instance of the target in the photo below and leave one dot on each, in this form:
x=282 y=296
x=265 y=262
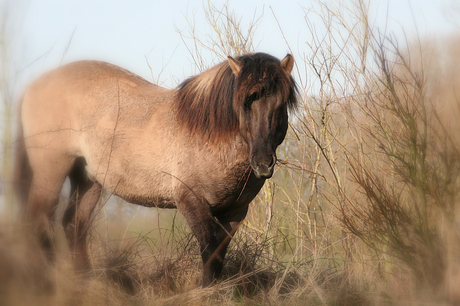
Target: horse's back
x=92 y=87
x=75 y=97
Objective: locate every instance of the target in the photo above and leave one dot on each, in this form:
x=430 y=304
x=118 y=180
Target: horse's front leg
x=214 y=249
x=214 y=233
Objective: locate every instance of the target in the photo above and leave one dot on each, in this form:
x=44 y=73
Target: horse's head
x=263 y=94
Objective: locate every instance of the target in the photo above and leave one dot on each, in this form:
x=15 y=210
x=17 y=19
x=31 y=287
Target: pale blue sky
x=129 y=32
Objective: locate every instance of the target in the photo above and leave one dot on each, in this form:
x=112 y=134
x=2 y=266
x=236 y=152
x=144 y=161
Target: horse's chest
x=227 y=192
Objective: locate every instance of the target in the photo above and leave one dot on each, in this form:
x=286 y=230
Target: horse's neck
x=234 y=150
x=167 y=130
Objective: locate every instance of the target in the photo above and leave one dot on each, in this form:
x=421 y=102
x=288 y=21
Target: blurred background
x=363 y=207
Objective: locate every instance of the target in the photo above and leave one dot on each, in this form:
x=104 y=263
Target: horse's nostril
x=273 y=162
x=263 y=163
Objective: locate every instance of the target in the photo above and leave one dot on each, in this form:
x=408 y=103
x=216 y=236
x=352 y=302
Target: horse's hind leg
x=39 y=216
x=84 y=195
x=48 y=178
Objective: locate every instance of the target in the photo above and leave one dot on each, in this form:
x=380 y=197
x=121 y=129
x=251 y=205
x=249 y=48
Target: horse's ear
x=234 y=64
x=287 y=63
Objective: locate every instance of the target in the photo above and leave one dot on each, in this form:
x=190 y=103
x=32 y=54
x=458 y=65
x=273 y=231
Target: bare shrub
x=405 y=163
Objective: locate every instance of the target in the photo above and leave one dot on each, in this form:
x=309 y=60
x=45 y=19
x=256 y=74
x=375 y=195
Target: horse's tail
x=22 y=172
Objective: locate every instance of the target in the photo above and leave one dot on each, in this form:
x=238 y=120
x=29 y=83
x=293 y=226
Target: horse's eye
x=247 y=104
x=252 y=97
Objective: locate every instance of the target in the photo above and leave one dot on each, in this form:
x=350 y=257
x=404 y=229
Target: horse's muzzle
x=264 y=170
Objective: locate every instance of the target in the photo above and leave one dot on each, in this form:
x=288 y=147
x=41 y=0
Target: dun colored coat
x=205 y=148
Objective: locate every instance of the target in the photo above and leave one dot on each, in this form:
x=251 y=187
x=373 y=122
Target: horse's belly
x=151 y=201
x=132 y=180
x=131 y=163
x=149 y=193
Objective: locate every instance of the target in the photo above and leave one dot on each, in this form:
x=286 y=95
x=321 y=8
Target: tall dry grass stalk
x=226 y=36
x=8 y=76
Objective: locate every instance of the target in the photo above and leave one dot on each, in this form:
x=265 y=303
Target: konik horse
x=205 y=148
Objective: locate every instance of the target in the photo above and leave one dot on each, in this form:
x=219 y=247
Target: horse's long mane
x=206 y=102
